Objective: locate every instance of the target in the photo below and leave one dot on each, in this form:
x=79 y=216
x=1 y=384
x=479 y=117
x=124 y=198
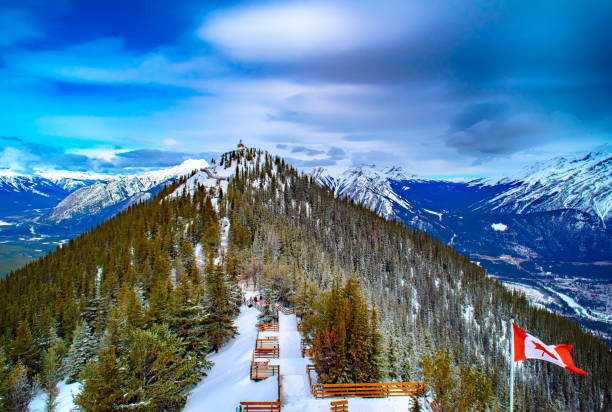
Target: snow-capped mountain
x=38 y=191
x=369 y=186
x=518 y=226
x=582 y=183
x=119 y=191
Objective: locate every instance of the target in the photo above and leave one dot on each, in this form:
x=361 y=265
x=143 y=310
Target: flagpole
x=511 y=364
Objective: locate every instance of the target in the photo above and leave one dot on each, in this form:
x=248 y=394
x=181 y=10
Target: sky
x=442 y=88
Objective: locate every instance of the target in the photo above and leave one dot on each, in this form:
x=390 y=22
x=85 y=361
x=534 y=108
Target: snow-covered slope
x=369 y=186
x=92 y=199
x=582 y=182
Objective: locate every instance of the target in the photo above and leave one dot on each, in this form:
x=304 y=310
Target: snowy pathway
x=229 y=382
x=294 y=381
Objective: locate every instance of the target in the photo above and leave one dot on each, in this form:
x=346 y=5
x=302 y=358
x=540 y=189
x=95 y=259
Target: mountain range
x=44 y=210
x=544 y=231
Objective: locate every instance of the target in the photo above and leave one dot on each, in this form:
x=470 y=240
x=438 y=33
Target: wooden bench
x=367 y=390
x=260 y=406
x=339 y=406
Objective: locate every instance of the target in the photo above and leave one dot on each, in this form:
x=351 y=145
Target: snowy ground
x=65 y=396
x=229 y=382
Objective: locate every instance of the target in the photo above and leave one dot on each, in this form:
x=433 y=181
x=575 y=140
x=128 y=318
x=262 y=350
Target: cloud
x=11 y=138
x=306 y=151
x=498 y=135
x=107 y=60
x=27 y=157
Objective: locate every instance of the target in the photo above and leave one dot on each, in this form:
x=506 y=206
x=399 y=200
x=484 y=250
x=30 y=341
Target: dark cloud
x=332 y=156
x=11 y=138
x=336 y=153
x=281 y=146
x=489 y=138
x=476 y=113
x=306 y=151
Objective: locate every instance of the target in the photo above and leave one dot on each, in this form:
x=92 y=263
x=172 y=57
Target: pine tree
x=80 y=352
x=25 y=349
x=50 y=374
x=161 y=368
x=19 y=389
x=440 y=377
x=188 y=321
x=220 y=325
x=5 y=372
x=106 y=385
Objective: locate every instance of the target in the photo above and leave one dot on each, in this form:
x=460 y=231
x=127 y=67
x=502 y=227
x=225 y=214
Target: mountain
x=144 y=299
x=580 y=183
x=544 y=229
x=105 y=198
x=42 y=211
x=367 y=185
x=39 y=191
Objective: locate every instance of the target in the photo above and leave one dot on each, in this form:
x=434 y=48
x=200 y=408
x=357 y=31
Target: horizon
x=456 y=90
x=333 y=171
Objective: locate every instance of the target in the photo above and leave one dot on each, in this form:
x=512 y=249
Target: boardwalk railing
x=305 y=348
x=260 y=406
x=262 y=370
x=367 y=390
x=286 y=311
x=267 y=342
x=267 y=327
x=270 y=353
x=339 y=406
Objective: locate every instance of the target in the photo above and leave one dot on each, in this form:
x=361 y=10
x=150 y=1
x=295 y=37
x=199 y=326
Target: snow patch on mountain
x=581 y=182
x=92 y=199
x=499 y=227
x=369 y=186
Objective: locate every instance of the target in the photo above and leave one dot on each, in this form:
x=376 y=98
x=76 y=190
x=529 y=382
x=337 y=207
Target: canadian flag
x=527 y=346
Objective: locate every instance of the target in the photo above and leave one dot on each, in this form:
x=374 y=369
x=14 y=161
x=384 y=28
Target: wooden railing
x=367 y=390
x=286 y=311
x=267 y=327
x=310 y=368
x=260 y=406
x=339 y=406
x=305 y=348
x=262 y=370
x=266 y=342
x=270 y=353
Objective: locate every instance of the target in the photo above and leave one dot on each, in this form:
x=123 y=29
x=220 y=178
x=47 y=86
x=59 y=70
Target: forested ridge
x=131 y=293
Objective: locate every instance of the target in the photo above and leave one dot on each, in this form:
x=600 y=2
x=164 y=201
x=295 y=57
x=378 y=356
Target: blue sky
x=449 y=88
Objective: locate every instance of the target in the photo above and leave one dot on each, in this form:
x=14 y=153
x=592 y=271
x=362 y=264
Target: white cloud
x=283 y=32
x=107 y=155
